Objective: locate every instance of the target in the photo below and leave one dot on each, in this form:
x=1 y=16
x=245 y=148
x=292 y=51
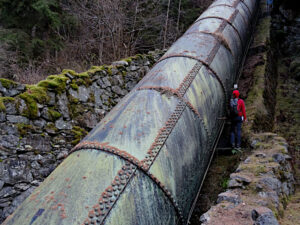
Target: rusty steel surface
x=145 y=162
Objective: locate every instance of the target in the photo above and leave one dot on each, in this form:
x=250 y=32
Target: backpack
x=234 y=112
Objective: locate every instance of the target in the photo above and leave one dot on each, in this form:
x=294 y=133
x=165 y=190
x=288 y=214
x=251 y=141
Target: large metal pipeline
x=145 y=161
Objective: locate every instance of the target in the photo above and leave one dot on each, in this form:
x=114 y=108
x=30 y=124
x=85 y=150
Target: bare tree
x=166 y=24
x=178 y=17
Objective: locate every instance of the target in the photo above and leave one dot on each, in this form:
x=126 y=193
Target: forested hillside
x=40 y=37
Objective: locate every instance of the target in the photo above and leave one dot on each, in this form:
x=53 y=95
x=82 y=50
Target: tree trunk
x=178 y=17
x=166 y=25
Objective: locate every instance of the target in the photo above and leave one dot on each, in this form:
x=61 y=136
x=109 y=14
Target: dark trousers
x=235 y=131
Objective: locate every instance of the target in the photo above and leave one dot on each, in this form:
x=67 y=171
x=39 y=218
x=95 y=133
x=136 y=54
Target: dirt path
x=215 y=182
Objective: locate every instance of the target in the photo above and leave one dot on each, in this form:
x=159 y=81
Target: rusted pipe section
x=145 y=161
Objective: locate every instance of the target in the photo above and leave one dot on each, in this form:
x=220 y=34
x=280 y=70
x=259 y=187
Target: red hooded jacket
x=241 y=104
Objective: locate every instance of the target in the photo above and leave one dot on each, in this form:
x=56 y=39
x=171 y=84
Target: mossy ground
x=288 y=125
x=288 y=113
x=262 y=31
x=261 y=98
x=292 y=212
x=256 y=110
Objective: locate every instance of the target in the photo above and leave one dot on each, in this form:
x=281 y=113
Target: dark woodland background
x=42 y=37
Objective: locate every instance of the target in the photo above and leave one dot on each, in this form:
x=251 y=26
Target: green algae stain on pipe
x=68 y=194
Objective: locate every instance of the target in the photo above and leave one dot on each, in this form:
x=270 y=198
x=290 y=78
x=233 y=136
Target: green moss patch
x=53 y=114
x=32 y=108
x=37 y=93
x=73 y=100
x=3 y=100
x=24 y=129
x=96 y=68
x=51 y=126
x=129 y=60
x=56 y=83
x=33 y=95
x=2 y=106
x=78 y=133
x=71 y=72
x=74 y=86
x=75 y=109
x=91 y=98
x=86 y=81
x=108 y=69
x=7 y=83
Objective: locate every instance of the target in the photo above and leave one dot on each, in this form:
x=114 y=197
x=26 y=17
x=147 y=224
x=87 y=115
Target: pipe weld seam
x=174 y=92
x=223 y=4
x=213 y=53
x=216 y=76
x=163 y=135
x=159 y=142
x=233 y=7
x=206 y=65
x=235 y=4
x=188 y=79
x=130 y=161
x=227 y=21
x=218 y=36
x=109 y=149
x=109 y=197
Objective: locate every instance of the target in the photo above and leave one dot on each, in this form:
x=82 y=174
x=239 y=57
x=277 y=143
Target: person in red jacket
x=238 y=115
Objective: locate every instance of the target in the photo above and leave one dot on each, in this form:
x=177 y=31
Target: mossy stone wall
x=39 y=124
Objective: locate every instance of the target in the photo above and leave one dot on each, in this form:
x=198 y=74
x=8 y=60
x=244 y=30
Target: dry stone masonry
x=259 y=189
x=39 y=124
